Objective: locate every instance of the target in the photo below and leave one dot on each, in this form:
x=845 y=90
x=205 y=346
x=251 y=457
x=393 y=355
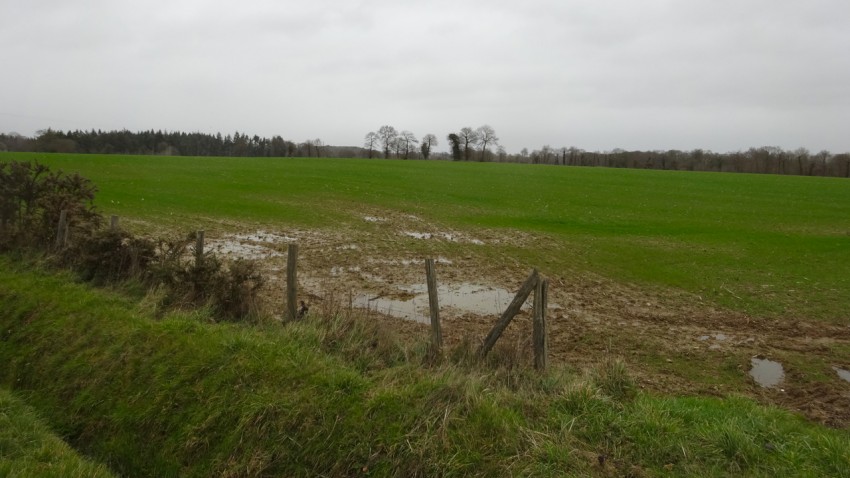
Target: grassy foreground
x=29 y=449
x=771 y=245
x=179 y=397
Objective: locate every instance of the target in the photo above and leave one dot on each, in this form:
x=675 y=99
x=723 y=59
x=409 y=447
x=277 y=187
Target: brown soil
x=668 y=338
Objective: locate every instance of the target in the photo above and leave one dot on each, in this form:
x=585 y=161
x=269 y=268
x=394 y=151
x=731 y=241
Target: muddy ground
x=674 y=342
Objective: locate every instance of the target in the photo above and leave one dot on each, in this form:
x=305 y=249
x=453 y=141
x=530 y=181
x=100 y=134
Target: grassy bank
x=772 y=245
x=28 y=448
x=179 y=397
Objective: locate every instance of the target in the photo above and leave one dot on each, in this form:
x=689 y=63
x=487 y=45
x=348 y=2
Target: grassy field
x=765 y=245
x=179 y=397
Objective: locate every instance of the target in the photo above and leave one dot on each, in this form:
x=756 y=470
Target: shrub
x=108 y=256
x=31 y=200
x=231 y=291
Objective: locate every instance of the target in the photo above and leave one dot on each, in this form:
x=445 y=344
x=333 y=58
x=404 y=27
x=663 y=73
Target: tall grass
x=336 y=396
x=29 y=449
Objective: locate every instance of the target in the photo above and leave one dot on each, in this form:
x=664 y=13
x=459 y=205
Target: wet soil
x=674 y=342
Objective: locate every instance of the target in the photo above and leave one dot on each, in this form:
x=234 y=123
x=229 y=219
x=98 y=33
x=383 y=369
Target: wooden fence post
x=62 y=230
x=509 y=313
x=199 y=249
x=539 y=339
x=113 y=223
x=434 y=306
x=291 y=282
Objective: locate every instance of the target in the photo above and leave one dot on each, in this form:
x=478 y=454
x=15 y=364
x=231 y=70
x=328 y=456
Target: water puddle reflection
x=767 y=373
x=844 y=374
x=463 y=298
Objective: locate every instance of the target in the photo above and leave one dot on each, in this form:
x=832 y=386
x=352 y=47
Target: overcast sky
x=597 y=74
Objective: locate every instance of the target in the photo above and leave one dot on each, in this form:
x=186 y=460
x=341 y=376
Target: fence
x=533 y=284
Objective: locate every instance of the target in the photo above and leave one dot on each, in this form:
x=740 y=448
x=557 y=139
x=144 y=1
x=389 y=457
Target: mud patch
x=239 y=250
x=263 y=236
x=717 y=337
x=766 y=373
x=446 y=236
x=713 y=344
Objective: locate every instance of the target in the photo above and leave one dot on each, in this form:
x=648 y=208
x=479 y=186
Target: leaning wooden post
x=62 y=229
x=199 y=248
x=509 y=313
x=541 y=345
x=436 y=332
x=291 y=282
x=113 y=223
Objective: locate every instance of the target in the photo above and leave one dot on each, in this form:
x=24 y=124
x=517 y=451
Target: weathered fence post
x=433 y=303
x=199 y=248
x=113 y=223
x=291 y=282
x=509 y=313
x=539 y=339
x=62 y=230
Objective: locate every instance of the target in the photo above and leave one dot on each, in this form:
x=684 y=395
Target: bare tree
x=387 y=136
x=397 y=146
x=485 y=136
x=372 y=139
x=407 y=140
x=428 y=142
x=468 y=138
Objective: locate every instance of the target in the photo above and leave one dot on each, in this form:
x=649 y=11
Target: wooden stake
x=62 y=230
x=199 y=248
x=434 y=306
x=509 y=313
x=539 y=339
x=291 y=282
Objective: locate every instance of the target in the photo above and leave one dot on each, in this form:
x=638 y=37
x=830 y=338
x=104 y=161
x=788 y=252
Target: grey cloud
x=598 y=74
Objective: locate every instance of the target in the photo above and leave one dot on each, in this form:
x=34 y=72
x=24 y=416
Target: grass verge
x=338 y=397
x=28 y=448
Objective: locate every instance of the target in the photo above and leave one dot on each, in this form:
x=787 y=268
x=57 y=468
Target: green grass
x=772 y=245
x=332 y=397
x=28 y=448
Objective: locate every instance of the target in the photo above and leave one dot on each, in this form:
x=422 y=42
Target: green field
x=766 y=245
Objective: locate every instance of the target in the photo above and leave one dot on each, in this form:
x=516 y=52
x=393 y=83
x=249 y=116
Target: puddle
x=717 y=337
x=766 y=373
x=410 y=262
x=445 y=235
x=240 y=250
x=463 y=298
x=338 y=270
x=844 y=374
x=263 y=236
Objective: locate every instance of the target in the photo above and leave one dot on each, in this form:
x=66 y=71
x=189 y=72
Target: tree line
x=762 y=160
x=169 y=143
x=466 y=144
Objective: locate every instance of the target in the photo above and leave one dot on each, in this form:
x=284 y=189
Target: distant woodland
x=466 y=144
